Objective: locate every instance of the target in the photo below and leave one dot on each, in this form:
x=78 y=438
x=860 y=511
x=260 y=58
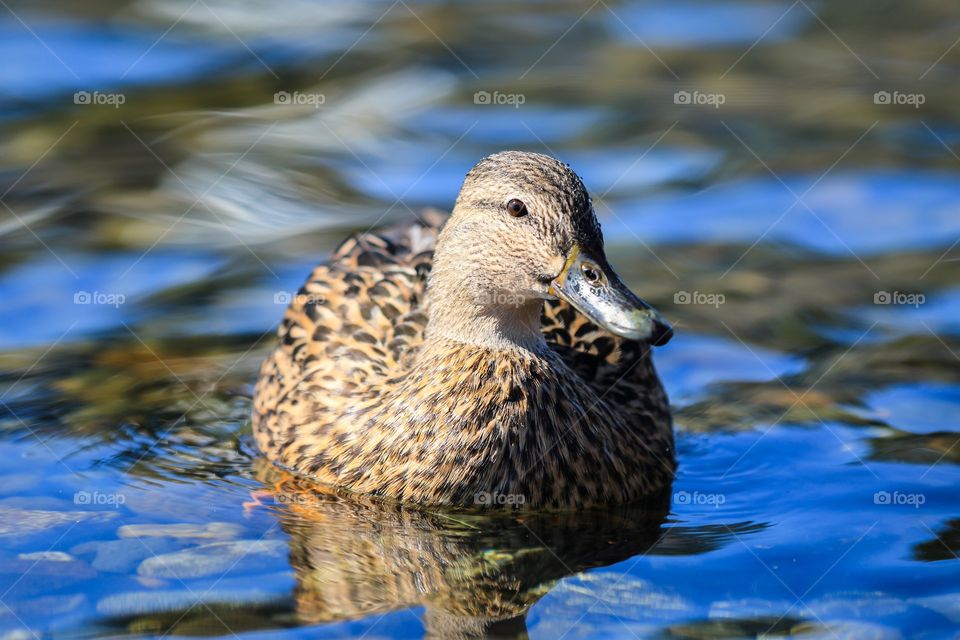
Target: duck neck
x=488 y=331
x=464 y=311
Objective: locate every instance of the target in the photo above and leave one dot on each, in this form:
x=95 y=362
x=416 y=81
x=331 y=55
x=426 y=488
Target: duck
x=489 y=358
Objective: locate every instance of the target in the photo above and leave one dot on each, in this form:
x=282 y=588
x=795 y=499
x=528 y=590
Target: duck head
x=523 y=230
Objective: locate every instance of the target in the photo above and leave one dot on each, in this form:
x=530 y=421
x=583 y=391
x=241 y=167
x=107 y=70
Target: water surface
x=161 y=201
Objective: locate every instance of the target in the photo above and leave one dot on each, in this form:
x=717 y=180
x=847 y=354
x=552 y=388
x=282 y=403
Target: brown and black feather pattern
x=353 y=396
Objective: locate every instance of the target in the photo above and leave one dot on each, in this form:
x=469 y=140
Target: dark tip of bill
x=662 y=332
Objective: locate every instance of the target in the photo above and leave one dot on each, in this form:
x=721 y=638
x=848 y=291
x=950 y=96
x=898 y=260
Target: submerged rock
x=46 y=556
x=142 y=602
x=20 y=522
x=50 y=605
x=211 y=530
x=122 y=556
x=215 y=558
x=754 y=607
x=846 y=630
x=29 y=577
x=855 y=606
x=947 y=605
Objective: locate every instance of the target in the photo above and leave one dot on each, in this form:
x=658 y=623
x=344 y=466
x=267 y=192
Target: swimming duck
x=492 y=358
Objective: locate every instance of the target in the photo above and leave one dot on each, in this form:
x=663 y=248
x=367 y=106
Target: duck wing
x=358 y=316
x=620 y=371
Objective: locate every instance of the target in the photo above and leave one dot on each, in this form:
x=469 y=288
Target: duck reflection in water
x=476 y=573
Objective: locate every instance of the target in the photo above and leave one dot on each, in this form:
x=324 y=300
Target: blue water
x=802 y=239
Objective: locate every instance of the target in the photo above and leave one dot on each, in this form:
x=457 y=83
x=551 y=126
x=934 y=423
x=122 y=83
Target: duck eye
x=516 y=208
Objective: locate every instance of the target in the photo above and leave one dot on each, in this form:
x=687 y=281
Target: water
x=771 y=211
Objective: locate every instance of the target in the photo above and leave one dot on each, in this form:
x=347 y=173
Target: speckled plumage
x=455 y=395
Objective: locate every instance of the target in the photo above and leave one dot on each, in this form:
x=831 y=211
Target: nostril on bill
x=591 y=273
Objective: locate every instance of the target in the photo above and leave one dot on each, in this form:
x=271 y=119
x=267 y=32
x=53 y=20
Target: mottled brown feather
x=586 y=424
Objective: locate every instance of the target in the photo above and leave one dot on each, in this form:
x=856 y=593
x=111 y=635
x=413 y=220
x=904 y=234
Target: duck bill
x=594 y=289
